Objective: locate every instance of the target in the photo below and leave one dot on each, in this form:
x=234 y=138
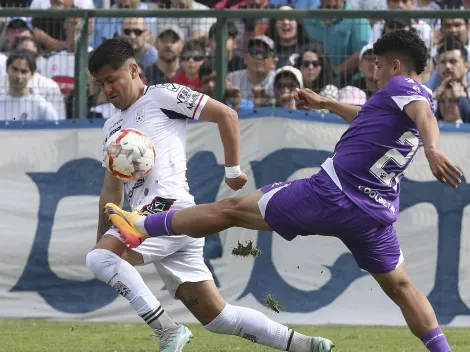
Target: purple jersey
x=373 y=154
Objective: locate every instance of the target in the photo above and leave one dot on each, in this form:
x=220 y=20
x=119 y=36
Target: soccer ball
x=129 y=155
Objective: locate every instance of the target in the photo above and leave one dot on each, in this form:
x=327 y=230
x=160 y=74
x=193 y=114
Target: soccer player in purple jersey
x=355 y=196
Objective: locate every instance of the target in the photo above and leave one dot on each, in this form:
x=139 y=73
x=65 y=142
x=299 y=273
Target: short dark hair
x=206 y=68
x=451 y=42
x=23 y=54
x=445 y=19
x=21 y=40
x=18 y=23
x=231 y=29
x=114 y=52
x=406 y=45
x=193 y=45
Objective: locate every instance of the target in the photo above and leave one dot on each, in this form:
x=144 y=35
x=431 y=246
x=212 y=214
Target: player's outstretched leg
x=416 y=308
x=209 y=307
x=198 y=221
x=106 y=264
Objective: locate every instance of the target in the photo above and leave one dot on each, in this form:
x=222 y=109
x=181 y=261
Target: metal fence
x=337 y=66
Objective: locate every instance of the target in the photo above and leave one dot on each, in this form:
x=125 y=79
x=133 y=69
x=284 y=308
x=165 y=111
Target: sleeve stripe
x=402 y=101
x=196 y=112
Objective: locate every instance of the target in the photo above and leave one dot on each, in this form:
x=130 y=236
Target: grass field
x=42 y=336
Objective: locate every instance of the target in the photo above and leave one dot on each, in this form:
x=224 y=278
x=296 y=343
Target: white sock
x=300 y=343
x=126 y=280
x=140 y=225
x=251 y=325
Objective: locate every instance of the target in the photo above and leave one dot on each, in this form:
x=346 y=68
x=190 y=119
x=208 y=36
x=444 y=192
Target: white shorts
x=178 y=259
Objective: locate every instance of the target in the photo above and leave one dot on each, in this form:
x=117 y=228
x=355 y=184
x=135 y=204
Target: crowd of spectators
x=267 y=59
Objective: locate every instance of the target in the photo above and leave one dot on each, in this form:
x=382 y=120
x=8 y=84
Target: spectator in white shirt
x=19 y=103
x=423 y=29
x=193 y=28
x=38 y=84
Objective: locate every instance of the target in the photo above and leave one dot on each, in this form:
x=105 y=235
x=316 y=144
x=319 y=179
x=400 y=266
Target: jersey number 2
x=398 y=158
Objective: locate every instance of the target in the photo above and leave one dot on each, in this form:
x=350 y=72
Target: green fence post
x=80 y=104
x=221 y=36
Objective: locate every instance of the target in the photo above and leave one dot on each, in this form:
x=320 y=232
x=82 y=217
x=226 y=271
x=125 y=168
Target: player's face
x=19 y=74
x=452 y=64
x=119 y=86
x=387 y=68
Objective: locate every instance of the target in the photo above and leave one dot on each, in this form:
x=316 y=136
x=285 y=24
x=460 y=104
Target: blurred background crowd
x=267 y=58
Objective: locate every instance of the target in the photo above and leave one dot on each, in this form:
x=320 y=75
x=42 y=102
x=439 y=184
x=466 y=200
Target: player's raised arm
x=307 y=99
x=112 y=191
x=442 y=168
x=227 y=121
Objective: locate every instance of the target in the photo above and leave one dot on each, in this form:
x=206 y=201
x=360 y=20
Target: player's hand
x=307 y=99
x=236 y=183
x=443 y=169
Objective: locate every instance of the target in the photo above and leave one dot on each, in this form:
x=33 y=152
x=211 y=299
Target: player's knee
x=99 y=260
x=400 y=289
x=229 y=208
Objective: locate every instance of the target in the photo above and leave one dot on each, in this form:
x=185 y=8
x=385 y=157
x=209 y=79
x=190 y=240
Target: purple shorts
x=316 y=206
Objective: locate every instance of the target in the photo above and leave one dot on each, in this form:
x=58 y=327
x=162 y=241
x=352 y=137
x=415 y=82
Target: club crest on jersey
x=139 y=117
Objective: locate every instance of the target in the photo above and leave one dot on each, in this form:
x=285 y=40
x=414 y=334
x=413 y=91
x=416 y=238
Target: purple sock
x=159 y=224
x=435 y=341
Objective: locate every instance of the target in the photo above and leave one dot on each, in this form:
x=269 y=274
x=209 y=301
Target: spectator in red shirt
x=191 y=59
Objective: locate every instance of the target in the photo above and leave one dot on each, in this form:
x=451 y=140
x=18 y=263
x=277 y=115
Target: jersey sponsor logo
x=116 y=123
x=173 y=87
x=138 y=184
x=122 y=289
x=193 y=100
x=113 y=131
x=183 y=95
x=160 y=85
x=378 y=198
x=157 y=205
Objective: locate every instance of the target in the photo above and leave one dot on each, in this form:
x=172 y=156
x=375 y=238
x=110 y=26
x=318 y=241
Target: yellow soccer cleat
x=125 y=223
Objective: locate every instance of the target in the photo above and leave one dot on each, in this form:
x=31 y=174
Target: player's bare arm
x=112 y=191
x=442 y=168
x=227 y=121
x=307 y=99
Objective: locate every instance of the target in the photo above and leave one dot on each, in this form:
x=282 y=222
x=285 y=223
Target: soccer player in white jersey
x=20 y=103
x=161 y=111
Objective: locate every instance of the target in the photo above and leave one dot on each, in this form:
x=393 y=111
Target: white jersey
x=44 y=87
x=161 y=113
x=28 y=107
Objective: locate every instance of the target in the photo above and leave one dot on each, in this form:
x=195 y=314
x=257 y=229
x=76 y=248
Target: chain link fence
x=245 y=58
